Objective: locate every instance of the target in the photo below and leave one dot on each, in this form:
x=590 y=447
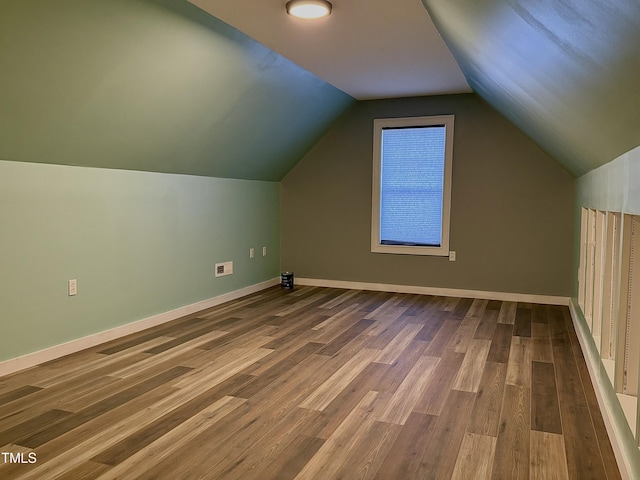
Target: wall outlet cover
x=72 y=287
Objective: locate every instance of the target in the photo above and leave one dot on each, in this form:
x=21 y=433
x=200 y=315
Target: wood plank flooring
x=317 y=383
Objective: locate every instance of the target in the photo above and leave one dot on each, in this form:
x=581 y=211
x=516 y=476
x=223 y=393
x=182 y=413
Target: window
x=411 y=201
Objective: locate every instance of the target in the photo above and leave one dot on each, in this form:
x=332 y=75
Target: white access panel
x=610 y=289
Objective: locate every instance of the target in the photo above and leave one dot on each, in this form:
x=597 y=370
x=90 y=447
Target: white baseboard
x=20 y=363
x=623 y=452
x=445 y=292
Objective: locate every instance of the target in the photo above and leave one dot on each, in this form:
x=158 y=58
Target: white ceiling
x=366 y=48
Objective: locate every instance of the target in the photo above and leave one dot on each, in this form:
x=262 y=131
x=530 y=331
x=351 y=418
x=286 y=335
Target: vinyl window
x=411 y=199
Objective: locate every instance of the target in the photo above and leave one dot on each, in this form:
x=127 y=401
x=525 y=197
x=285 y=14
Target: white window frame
x=430 y=121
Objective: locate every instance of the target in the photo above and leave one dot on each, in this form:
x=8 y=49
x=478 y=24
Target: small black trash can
x=286 y=280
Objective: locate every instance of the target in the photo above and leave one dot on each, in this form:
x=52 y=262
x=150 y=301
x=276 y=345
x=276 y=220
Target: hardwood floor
x=317 y=383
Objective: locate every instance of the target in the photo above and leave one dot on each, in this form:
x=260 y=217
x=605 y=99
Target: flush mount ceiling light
x=308 y=8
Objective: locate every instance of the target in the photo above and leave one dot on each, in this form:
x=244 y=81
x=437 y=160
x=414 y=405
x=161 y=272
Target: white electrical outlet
x=73 y=287
x=252 y=252
x=264 y=251
x=224 y=268
x=452 y=256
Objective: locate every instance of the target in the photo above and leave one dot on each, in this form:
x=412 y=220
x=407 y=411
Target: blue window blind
x=412 y=185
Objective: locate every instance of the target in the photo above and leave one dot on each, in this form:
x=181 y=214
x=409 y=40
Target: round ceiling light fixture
x=308 y=8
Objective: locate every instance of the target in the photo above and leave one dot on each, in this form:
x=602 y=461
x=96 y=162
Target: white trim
x=31 y=359
x=445 y=292
x=600 y=385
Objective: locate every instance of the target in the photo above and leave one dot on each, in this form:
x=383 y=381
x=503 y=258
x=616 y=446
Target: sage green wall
x=511 y=214
x=139 y=244
x=614 y=186
x=152 y=85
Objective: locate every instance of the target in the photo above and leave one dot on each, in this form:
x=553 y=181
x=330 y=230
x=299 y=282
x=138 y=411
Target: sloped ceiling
x=567 y=73
x=153 y=85
x=161 y=85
